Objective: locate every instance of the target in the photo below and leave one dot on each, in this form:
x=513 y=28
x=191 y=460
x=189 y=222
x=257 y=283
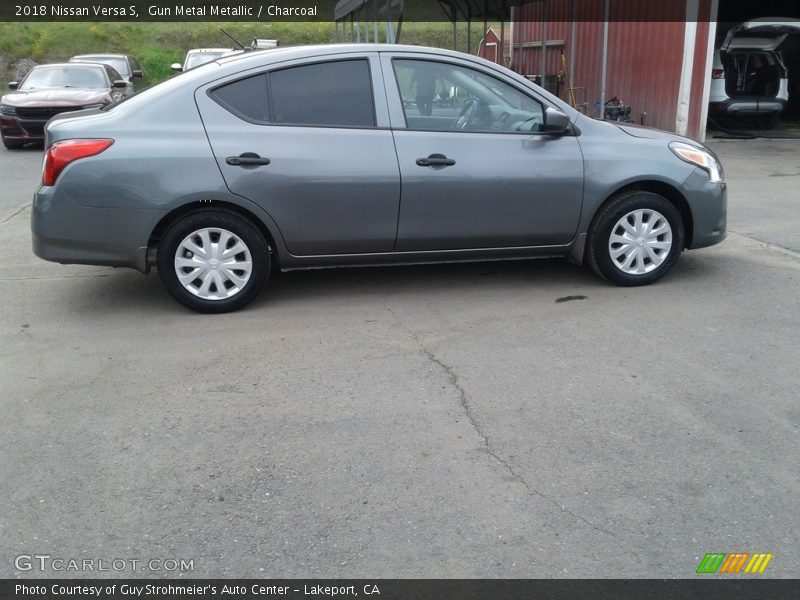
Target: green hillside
x=157 y=45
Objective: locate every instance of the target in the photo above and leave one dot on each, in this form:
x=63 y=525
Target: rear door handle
x=435 y=160
x=247 y=159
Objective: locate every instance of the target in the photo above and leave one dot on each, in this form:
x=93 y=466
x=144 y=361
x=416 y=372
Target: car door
x=477 y=170
x=309 y=142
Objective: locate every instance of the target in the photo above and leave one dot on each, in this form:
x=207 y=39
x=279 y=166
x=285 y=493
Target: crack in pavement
x=14 y=214
x=486 y=440
x=489 y=448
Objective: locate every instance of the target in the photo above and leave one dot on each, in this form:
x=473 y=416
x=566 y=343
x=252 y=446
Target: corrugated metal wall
x=645 y=53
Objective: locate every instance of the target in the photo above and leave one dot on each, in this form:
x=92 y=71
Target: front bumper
x=24 y=130
x=63 y=231
x=708 y=203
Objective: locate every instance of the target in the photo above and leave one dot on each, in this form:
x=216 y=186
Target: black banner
x=263 y=11
x=401 y=589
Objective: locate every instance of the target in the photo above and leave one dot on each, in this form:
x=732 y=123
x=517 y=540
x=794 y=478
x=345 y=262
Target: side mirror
x=555 y=121
x=12 y=85
x=176 y=67
x=119 y=83
x=137 y=73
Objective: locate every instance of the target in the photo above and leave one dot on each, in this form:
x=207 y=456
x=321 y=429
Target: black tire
x=599 y=253
x=255 y=245
x=770 y=121
x=13 y=144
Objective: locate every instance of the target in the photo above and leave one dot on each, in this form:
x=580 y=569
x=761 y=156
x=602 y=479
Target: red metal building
x=654 y=56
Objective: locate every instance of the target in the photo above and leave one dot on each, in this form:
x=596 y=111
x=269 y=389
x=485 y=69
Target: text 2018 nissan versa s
x=364 y=154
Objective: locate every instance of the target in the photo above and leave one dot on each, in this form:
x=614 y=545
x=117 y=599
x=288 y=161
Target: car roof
x=101 y=55
x=202 y=50
x=73 y=65
x=288 y=52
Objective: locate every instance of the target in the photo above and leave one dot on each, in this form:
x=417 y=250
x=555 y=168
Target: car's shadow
x=130 y=292
x=28 y=148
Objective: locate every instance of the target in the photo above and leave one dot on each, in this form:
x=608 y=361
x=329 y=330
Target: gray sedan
x=328 y=156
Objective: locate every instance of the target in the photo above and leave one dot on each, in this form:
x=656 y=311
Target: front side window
x=330 y=94
x=113 y=75
x=442 y=96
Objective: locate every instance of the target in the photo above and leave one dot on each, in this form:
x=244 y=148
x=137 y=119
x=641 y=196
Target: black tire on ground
x=598 y=253
x=242 y=229
x=13 y=144
x=770 y=121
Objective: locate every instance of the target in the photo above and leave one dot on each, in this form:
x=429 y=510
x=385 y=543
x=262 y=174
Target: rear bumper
x=748 y=106
x=67 y=233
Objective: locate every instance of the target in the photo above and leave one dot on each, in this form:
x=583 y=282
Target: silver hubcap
x=213 y=263
x=640 y=241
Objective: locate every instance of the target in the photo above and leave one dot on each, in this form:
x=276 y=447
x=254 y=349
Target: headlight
x=700 y=157
x=8 y=110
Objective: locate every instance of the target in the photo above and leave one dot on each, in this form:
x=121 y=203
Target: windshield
x=78 y=77
x=119 y=64
x=200 y=58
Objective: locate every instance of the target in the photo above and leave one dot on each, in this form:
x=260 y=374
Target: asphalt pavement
x=516 y=419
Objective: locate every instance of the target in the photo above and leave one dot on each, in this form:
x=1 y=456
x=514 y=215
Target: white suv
x=749 y=77
x=198 y=56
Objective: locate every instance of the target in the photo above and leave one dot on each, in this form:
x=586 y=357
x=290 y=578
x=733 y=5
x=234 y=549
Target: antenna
x=238 y=43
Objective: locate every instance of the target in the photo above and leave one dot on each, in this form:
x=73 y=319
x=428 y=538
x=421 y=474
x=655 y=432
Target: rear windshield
x=77 y=77
x=119 y=64
x=194 y=60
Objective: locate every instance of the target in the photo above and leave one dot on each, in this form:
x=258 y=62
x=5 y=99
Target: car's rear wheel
x=213 y=261
x=635 y=239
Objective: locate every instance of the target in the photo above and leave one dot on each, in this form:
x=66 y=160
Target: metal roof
x=454 y=10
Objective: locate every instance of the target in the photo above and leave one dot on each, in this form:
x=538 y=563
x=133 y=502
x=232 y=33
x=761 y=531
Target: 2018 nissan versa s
x=364 y=154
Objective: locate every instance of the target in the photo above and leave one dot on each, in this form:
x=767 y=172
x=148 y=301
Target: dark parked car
x=320 y=156
x=48 y=90
x=125 y=64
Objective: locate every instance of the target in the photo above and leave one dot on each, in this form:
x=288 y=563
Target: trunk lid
x=760 y=34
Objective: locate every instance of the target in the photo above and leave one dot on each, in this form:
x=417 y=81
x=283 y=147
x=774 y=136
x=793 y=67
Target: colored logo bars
x=736 y=562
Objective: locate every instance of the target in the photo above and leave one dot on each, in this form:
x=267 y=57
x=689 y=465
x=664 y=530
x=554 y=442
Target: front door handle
x=435 y=160
x=247 y=159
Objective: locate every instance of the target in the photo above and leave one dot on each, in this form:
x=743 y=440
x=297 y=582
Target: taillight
x=717 y=73
x=60 y=154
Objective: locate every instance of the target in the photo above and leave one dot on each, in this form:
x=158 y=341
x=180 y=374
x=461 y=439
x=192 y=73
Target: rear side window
x=246 y=98
x=331 y=94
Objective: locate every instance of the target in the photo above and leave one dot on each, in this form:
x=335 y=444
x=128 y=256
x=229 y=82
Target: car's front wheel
x=213 y=261
x=635 y=239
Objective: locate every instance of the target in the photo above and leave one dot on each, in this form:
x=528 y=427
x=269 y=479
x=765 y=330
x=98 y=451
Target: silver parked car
x=327 y=156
